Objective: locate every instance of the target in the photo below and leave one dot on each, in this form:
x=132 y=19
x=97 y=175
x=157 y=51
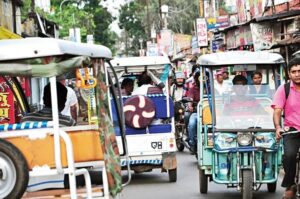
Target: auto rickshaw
x=236 y=136
x=149 y=117
x=42 y=154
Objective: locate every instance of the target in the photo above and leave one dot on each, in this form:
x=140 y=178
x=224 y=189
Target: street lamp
x=141 y=43
x=164 y=11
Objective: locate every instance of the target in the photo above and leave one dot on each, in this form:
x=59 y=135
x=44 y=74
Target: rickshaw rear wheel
x=172 y=175
x=14 y=169
x=180 y=145
x=247 y=184
x=272 y=187
x=203 y=181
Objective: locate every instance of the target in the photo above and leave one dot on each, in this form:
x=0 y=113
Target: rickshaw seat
x=160 y=104
x=152 y=129
x=206 y=114
x=86 y=147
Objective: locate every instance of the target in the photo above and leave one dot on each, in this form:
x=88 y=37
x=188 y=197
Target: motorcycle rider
x=177 y=88
x=194 y=94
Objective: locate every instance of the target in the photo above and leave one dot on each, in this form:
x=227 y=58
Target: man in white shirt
x=220 y=85
x=71 y=104
x=144 y=83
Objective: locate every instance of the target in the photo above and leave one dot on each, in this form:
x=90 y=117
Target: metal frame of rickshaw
x=30 y=48
x=210 y=62
x=138 y=65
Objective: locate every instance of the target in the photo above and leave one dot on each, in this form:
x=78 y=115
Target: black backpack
x=287 y=87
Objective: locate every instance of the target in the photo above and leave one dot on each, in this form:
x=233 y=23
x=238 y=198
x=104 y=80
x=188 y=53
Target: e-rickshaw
x=236 y=136
x=38 y=155
x=149 y=118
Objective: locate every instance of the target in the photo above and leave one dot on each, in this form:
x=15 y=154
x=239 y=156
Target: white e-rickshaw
x=149 y=117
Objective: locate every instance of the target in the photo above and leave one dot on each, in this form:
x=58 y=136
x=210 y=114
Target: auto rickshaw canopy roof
x=45 y=57
x=240 y=58
x=138 y=64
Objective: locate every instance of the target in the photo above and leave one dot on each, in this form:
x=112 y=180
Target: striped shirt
x=46 y=115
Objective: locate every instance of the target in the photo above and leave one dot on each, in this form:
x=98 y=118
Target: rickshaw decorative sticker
x=108 y=138
x=6 y=104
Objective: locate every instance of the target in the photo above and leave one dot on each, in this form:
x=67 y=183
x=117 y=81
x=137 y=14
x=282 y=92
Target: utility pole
x=148 y=19
x=32 y=5
x=160 y=14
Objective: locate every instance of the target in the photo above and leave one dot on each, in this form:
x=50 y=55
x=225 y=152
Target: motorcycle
x=181 y=131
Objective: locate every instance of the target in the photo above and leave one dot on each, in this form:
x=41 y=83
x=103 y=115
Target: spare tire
x=139 y=111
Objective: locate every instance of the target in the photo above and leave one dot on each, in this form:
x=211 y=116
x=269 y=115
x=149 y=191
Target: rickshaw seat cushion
x=160 y=128
x=39 y=152
x=206 y=115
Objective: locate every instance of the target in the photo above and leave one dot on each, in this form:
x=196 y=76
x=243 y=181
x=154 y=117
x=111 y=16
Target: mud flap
x=169 y=161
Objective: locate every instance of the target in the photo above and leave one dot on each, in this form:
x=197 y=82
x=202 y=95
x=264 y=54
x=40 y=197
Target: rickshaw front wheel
x=272 y=187
x=247 y=184
x=172 y=175
x=202 y=181
x=14 y=171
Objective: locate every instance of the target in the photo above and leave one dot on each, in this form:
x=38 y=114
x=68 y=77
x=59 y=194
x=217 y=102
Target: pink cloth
x=291 y=106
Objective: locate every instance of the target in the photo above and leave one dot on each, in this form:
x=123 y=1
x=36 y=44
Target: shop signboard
x=256 y=8
x=230 y=39
x=217 y=22
x=165 y=41
x=263 y=35
x=222 y=21
x=182 y=41
x=241 y=11
x=152 y=50
x=202 y=32
x=195 y=48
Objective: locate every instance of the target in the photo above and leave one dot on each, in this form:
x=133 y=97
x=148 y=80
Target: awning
x=6 y=34
x=287 y=42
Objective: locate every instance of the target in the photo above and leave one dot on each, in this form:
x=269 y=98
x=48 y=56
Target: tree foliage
x=138 y=17
x=89 y=16
x=130 y=22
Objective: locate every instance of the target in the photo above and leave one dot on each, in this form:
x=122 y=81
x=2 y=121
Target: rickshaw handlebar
x=283 y=133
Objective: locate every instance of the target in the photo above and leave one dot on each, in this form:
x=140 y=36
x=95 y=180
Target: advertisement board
x=263 y=35
x=152 y=50
x=165 y=42
x=201 y=32
x=182 y=41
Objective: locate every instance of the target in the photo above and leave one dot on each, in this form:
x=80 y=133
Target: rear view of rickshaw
x=41 y=154
x=149 y=114
x=236 y=136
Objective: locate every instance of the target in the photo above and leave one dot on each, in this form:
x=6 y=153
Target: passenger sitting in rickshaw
x=46 y=113
x=194 y=94
x=127 y=86
x=146 y=86
x=241 y=104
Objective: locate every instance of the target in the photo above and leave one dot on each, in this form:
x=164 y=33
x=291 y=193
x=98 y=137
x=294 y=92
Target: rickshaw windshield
x=243 y=111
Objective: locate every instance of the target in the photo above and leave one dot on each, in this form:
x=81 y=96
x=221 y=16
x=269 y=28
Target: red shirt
x=194 y=92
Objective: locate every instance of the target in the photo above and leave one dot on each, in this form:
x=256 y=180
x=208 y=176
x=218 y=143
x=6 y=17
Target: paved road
x=155 y=185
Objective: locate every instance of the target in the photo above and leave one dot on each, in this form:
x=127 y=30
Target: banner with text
x=202 y=32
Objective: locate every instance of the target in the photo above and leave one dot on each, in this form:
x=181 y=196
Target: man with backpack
x=287 y=100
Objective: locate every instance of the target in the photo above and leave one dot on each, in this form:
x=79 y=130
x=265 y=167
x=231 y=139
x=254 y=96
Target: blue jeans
x=192 y=130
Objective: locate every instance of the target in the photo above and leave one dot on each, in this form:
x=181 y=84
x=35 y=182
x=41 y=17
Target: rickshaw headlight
x=225 y=141
x=244 y=139
x=265 y=140
x=180 y=111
